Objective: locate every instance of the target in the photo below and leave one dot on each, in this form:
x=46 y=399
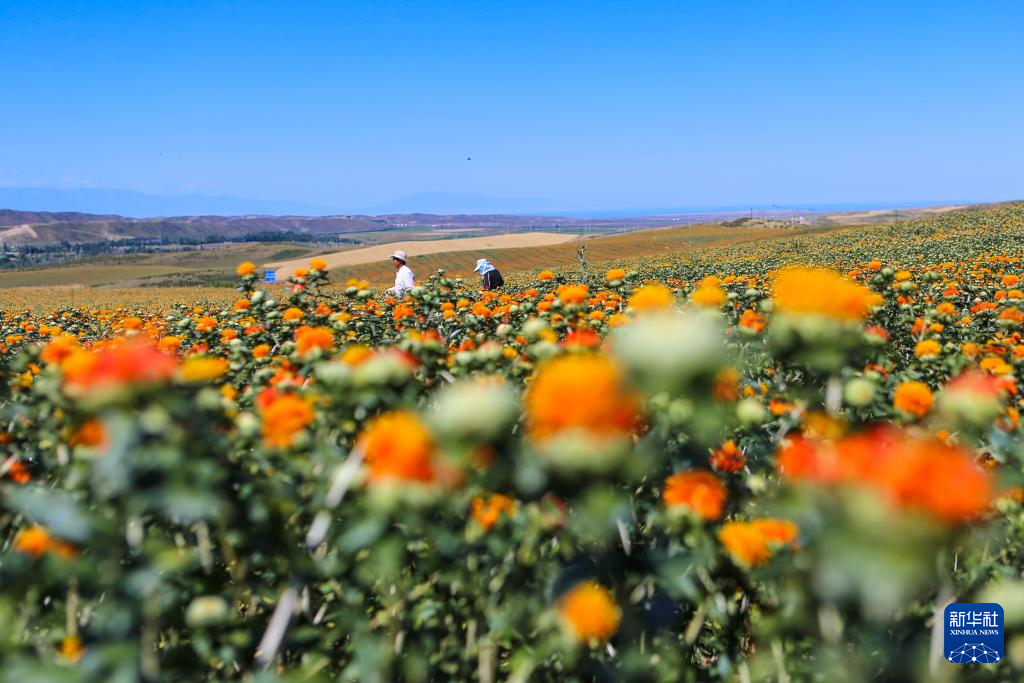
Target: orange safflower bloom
x=58 y=349
x=293 y=314
x=584 y=392
x=821 y=425
x=318 y=264
x=996 y=366
x=823 y=292
x=573 y=294
x=937 y=478
x=615 y=274
x=261 y=351
x=585 y=338
x=36 y=541
x=923 y=473
x=1012 y=314
x=752 y=543
x=356 y=354
x=403 y=311
x=308 y=339
x=589 y=612
x=726 y=385
x=981 y=385
x=728 y=458
x=697 y=491
x=283 y=418
x=206 y=324
x=711 y=296
x=169 y=344
x=90 y=433
x=545 y=275
x=651 y=298
x=128 y=362
x=397 y=446
x=487 y=511
x=18 y=473
x=247 y=268
x=913 y=398
x=71 y=648
x=927 y=348
x=876 y=334
x=752 y=321
x=202 y=369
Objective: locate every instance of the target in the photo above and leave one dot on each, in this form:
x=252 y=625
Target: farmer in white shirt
x=404 y=278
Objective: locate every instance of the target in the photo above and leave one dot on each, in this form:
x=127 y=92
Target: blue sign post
x=270 y=277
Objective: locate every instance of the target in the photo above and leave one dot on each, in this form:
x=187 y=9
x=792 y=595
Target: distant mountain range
x=143 y=205
x=75 y=216
x=48 y=227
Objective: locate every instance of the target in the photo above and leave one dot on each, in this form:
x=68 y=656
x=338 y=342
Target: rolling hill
x=19 y=228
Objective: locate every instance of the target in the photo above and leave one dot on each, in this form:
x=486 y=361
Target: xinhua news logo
x=974 y=633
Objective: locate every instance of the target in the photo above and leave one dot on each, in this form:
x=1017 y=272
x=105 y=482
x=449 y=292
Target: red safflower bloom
x=697 y=491
x=728 y=458
x=128 y=362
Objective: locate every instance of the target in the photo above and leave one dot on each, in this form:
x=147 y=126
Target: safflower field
x=770 y=461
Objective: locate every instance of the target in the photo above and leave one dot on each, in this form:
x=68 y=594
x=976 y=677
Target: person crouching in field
x=492 y=278
x=404 y=277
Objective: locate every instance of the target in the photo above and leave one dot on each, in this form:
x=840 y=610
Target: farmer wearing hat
x=492 y=278
x=404 y=278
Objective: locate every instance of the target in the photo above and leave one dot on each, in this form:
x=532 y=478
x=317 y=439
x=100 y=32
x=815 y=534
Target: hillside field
x=716 y=456
x=215 y=266
x=380 y=253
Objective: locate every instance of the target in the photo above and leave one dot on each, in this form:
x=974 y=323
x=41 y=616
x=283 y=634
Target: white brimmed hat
x=401 y=256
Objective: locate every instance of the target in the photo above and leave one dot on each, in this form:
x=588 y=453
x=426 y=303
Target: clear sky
x=560 y=105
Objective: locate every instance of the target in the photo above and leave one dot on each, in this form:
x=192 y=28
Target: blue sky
x=561 y=105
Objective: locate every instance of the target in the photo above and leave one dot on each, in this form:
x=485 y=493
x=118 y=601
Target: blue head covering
x=483 y=266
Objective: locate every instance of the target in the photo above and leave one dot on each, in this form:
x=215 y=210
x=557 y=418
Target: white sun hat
x=401 y=256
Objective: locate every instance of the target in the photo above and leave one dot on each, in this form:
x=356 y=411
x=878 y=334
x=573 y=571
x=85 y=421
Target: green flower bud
x=751 y=412
x=477 y=411
x=859 y=392
x=667 y=351
x=206 y=610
